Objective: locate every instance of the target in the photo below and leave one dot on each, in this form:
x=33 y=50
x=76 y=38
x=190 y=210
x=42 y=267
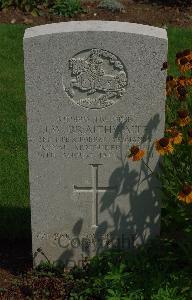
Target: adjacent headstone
x=93 y=90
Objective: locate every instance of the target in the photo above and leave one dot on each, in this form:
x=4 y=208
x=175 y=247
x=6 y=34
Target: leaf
x=35 y=12
x=27 y=7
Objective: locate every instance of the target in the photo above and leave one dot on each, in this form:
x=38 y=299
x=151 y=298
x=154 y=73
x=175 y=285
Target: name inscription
x=74 y=137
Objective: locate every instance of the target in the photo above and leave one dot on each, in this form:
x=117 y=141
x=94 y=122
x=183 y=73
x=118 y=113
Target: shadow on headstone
x=142 y=220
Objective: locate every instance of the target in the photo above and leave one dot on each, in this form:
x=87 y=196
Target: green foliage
x=182 y=3
x=165 y=274
x=67 y=8
x=167 y=294
x=5 y=3
x=24 y=5
x=113 y=5
x=137 y=276
x=48 y=268
x=176 y=170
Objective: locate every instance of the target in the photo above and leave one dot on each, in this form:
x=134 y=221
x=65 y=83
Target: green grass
x=179 y=39
x=14 y=186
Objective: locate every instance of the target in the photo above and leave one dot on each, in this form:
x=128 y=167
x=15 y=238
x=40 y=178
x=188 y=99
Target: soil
x=15 y=258
x=147 y=12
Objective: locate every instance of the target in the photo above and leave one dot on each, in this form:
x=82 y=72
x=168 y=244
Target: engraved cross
x=95 y=189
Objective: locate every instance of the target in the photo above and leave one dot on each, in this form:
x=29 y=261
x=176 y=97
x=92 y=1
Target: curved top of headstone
x=111 y=26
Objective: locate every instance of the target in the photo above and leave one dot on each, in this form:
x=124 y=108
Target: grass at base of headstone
x=14 y=187
x=158 y=271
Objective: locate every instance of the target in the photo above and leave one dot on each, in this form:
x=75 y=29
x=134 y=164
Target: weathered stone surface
x=93 y=90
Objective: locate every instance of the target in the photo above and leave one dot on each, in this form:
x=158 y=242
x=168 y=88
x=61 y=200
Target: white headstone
x=93 y=90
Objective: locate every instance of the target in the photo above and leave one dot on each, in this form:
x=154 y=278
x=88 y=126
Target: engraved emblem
x=98 y=79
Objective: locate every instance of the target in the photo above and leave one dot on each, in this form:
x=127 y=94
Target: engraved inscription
x=98 y=79
x=95 y=189
x=95 y=242
x=82 y=137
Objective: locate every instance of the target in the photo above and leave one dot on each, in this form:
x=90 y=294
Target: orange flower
x=164 y=146
x=136 y=153
x=184 y=60
x=181 y=81
x=185 y=194
x=183 y=118
x=190 y=136
x=185 y=65
x=189 y=81
x=176 y=136
x=181 y=92
x=184 y=81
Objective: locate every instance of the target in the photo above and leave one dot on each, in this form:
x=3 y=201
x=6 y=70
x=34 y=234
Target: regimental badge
x=98 y=79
